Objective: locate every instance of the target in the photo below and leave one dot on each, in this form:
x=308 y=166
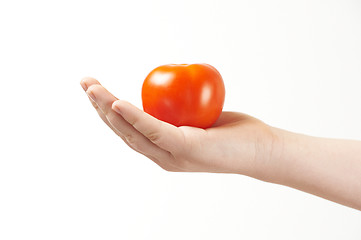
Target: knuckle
x=130 y=139
x=133 y=122
x=153 y=136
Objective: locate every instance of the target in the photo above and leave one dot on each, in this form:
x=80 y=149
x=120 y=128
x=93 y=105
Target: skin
x=239 y=144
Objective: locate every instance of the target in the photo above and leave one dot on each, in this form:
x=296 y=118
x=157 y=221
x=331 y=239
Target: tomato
x=184 y=94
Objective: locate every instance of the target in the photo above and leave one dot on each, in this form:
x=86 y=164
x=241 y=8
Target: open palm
x=236 y=143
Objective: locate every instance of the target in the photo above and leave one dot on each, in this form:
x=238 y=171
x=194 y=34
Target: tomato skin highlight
x=184 y=94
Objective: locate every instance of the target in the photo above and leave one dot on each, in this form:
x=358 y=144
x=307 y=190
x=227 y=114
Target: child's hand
x=236 y=143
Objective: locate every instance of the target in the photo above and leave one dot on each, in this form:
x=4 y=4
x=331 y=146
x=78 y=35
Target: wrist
x=270 y=164
x=289 y=156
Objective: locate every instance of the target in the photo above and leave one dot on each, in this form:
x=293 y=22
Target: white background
x=64 y=175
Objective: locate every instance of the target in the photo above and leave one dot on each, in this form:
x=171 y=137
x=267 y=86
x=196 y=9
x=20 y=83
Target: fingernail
x=83 y=85
x=116 y=108
x=91 y=95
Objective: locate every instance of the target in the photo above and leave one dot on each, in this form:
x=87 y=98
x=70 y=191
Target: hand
x=236 y=143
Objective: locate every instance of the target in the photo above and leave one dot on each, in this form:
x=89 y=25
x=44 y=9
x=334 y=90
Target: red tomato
x=184 y=94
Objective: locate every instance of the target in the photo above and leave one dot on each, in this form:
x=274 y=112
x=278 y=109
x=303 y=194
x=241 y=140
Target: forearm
x=329 y=168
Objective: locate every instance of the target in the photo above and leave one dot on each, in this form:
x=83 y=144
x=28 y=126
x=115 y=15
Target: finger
x=87 y=82
x=105 y=120
x=103 y=117
x=163 y=134
x=138 y=141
